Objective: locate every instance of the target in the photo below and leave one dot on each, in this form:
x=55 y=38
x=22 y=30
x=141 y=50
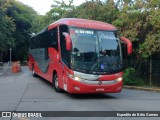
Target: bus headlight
x=74 y=77
x=119 y=79
x=77 y=78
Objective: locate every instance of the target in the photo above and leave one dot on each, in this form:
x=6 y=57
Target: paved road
x=22 y=92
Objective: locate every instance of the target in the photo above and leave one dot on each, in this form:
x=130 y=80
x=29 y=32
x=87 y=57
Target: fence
x=4 y=68
x=148 y=70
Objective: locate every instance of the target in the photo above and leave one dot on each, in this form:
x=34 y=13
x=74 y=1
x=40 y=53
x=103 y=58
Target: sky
x=43 y=6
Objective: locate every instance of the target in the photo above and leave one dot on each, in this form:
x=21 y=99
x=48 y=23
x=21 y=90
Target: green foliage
x=143 y=53
x=130 y=77
x=139 y=21
x=15 y=25
x=7 y=27
x=23 y=16
x=38 y=23
x=61 y=10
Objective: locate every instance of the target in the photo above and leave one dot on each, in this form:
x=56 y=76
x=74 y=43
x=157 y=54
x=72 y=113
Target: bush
x=130 y=77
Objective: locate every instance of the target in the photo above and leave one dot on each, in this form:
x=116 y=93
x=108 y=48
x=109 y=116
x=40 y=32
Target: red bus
x=79 y=56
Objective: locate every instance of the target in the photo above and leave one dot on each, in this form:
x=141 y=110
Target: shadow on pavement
x=91 y=96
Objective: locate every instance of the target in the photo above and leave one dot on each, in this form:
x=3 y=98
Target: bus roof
x=82 y=23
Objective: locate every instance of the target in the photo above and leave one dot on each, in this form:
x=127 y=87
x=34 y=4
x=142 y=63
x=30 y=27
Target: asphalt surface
x=22 y=92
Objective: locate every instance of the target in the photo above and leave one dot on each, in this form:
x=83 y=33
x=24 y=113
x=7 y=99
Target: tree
x=138 y=21
x=15 y=28
x=152 y=40
x=22 y=16
x=38 y=23
x=59 y=10
x=7 y=28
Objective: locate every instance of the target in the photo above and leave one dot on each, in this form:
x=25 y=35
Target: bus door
x=65 y=56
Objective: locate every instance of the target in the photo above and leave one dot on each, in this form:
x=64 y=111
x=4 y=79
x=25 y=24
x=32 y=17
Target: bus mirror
x=68 y=41
x=129 y=44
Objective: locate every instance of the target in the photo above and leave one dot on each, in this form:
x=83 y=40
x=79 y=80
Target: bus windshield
x=95 y=51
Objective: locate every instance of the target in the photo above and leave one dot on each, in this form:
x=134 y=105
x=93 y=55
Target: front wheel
x=33 y=72
x=55 y=84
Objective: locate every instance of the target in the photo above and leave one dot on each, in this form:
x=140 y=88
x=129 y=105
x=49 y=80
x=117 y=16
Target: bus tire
x=55 y=84
x=33 y=72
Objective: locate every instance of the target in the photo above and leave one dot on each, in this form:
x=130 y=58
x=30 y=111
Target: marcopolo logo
x=6 y=114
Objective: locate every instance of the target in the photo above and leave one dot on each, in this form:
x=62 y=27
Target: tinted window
x=41 y=41
x=65 y=54
x=54 y=38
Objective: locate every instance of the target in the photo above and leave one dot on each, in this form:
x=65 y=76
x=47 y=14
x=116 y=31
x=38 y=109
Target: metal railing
x=4 y=68
x=148 y=70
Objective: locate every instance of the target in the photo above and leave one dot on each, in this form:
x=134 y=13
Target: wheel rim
x=56 y=82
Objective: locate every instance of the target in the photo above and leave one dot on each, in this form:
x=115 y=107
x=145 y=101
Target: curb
x=142 y=88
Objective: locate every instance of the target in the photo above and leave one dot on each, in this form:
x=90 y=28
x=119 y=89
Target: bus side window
x=54 y=38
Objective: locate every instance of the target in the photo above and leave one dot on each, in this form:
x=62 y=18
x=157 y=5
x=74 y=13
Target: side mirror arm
x=129 y=44
x=68 y=41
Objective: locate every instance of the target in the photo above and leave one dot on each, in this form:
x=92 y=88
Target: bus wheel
x=33 y=72
x=55 y=84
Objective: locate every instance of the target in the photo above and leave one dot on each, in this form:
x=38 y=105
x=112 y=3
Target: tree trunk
x=1 y=56
x=150 y=71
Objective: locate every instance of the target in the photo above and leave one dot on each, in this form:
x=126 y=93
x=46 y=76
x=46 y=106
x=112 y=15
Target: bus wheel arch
x=55 y=82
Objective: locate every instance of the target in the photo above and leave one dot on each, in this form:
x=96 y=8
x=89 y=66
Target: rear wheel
x=55 y=84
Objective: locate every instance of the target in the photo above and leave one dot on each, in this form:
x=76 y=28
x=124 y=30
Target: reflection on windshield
x=95 y=50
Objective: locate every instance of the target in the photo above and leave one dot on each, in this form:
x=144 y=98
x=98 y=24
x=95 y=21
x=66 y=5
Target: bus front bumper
x=79 y=87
